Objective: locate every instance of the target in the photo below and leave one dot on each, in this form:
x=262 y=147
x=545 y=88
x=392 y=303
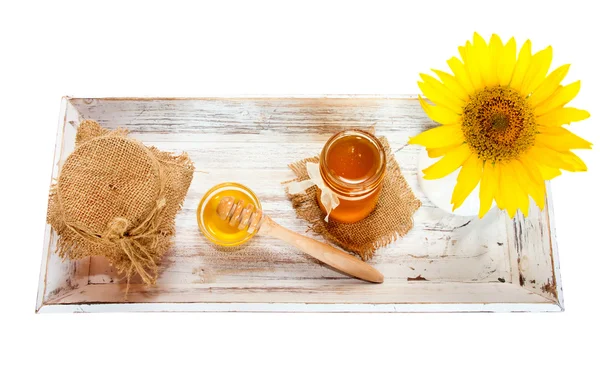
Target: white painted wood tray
x=445 y=263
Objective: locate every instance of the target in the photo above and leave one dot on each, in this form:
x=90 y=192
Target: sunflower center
x=498 y=124
x=499 y=121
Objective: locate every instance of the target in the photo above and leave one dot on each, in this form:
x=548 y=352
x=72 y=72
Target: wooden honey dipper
x=247 y=217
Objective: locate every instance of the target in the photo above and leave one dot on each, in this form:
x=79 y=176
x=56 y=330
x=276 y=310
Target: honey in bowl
x=219 y=231
x=352 y=165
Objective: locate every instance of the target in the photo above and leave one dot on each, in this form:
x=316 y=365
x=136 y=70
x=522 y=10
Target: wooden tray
x=445 y=263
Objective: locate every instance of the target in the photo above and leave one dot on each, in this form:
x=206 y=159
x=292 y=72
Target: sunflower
x=502 y=118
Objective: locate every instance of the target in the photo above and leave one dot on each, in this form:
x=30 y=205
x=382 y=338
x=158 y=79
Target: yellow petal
x=440 y=136
x=561 y=116
x=560 y=139
x=472 y=67
x=439 y=114
x=462 y=50
x=549 y=173
x=521 y=186
x=487 y=188
x=439 y=98
x=452 y=84
x=467 y=180
x=508 y=190
x=443 y=89
x=521 y=66
x=574 y=161
x=563 y=160
x=449 y=163
x=529 y=184
x=482 y=53
x=549 y=85
x=459 y=71
x=439 y=152
x=562 y=96
x=496 y=50
x=540 y=195
x=523 y=201
x=534 y=173
x=540 y=63
x=532 y=167
x=498 y=196
x=507 y=62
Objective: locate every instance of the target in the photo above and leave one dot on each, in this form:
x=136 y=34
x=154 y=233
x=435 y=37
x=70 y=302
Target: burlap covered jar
x=117 y=198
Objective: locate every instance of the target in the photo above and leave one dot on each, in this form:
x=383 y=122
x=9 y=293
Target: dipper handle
x=247 y=217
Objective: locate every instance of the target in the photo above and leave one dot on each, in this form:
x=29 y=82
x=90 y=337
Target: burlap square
x=391 y=219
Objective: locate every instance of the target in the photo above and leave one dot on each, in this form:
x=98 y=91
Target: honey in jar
x=352 y=165
x=219 y=231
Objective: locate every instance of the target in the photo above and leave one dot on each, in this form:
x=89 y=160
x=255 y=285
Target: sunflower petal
x=462 y=50
x=468 y=178
x=439 y=152
x=499 y=195
x=449 y=163
x=549 y=86
x=575 y=161
x=487 y=188
x=508 y=189
x=482 y=54
x=528 y=184
x=440 y=136
x=535 y=174
x=532 y=168
x=521 y=66
x=562 y=96
x=459 y=71
x=563 y=160
x=523 y=201
x=540 y=195
x=496 y=50
x=507 y=62
x=561 y=116
x=472 y=66
x=439 y=114
x=521 y=186
x=540 y=63
x=437 y=85
x=439 y=97
x=452 y=84
x=560 y=139
x=549 y=172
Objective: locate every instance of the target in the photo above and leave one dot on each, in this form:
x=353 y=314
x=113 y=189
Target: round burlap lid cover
x=117 y=198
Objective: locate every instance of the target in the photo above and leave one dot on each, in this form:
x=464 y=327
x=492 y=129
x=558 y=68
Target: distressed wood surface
x=509 y=260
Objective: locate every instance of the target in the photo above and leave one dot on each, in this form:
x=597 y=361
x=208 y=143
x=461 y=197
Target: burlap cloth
x=391 y=219
x=117 y=198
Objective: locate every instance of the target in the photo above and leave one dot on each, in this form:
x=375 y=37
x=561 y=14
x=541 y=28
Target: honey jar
x=352 y=164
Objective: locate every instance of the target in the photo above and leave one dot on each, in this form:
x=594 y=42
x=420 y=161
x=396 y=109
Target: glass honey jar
x=352 y=164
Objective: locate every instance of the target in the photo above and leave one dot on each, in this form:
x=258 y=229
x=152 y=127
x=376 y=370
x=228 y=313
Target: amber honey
x=352 y=165
x=353 y=159
x=219 y=231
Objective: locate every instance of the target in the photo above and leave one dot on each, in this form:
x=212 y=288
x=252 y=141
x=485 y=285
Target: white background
x=51 y=49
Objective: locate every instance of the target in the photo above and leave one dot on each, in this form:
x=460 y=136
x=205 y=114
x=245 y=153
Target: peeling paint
x=521 y=279
x=417 y=278
x=550 y=288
